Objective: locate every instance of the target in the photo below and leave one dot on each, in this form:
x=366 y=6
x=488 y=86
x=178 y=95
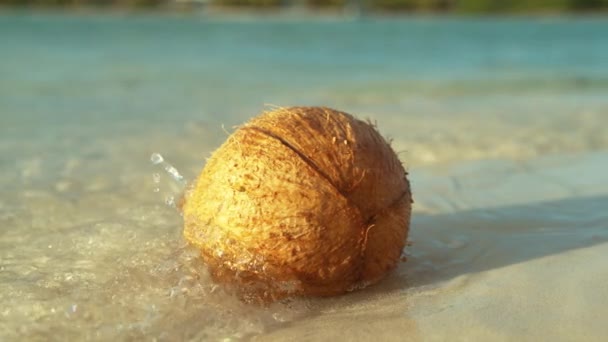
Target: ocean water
x=501 y=122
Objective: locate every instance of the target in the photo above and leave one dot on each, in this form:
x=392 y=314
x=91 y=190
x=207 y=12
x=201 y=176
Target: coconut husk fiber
x=300 y=201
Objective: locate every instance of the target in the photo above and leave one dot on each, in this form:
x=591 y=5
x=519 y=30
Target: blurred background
x=441 y=6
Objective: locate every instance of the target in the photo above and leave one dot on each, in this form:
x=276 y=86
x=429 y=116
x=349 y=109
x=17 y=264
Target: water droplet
x=175 y=184
x=174 y=173
x=156 y=158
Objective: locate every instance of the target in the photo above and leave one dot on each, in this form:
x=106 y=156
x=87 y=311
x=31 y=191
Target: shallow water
x=503 y=125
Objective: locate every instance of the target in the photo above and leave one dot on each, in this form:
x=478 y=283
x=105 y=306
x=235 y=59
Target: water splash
x=175 y=188
x=156 y=158
x=174 y=173
x=156 y=180
x=170 y=201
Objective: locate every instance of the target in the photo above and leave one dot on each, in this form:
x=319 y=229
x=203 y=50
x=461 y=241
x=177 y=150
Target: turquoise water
x=151 y=67
x=73 y=71
x=502 y=122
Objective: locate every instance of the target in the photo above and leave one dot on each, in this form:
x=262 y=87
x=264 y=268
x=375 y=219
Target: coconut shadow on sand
x=514 y=212
x=475 y=217
x=445 y=246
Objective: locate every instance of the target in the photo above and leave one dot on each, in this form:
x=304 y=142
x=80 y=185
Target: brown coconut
x=302 y=200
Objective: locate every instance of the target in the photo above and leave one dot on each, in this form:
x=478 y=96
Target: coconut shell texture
x=300 y=201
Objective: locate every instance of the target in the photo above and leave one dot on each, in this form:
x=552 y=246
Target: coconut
x=300 y=201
